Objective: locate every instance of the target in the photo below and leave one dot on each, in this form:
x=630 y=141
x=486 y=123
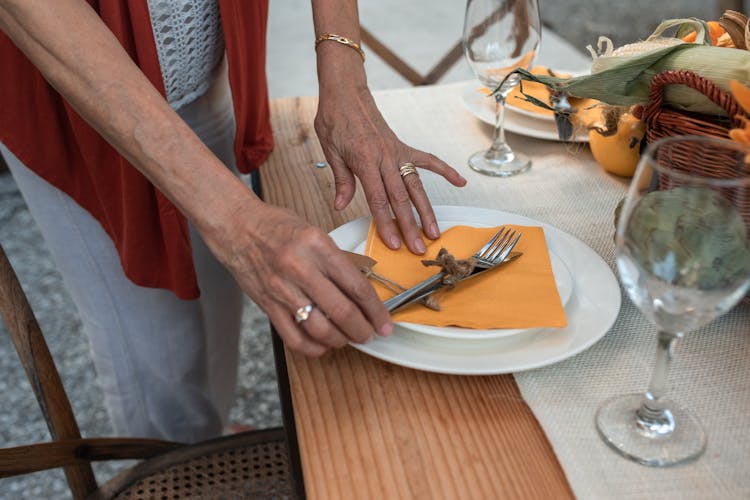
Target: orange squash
x=618 y=152
x=715 y=31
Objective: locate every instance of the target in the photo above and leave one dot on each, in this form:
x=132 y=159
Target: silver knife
x=434 y=283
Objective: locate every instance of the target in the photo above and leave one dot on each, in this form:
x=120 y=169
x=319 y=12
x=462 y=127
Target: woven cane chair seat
x=252 y=465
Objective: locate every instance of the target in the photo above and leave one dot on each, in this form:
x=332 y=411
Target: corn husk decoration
x=621 y=77
x=737 y=29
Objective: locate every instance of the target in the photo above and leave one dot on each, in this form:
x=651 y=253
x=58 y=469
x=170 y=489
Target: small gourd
x=617 y=145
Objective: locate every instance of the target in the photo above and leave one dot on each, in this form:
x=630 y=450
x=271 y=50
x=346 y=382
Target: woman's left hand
x=357 y=141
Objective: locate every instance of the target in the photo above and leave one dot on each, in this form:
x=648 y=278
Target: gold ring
x=303 y=313
x=407 y=168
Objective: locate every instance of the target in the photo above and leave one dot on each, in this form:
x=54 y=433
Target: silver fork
x=489 y=256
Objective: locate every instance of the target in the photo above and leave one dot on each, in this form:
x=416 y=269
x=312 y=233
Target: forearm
x=83 y=60
x=339 y=67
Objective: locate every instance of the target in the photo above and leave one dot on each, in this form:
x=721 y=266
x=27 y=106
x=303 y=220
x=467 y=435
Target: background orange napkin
x=521 y=294
x=586 y=110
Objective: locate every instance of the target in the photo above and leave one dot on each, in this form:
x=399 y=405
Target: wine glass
x=500 y=36
x=683 y=255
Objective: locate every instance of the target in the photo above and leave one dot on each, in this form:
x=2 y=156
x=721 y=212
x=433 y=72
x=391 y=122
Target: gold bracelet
x=342 y=40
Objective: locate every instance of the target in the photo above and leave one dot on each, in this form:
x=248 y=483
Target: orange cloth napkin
x=520 y=294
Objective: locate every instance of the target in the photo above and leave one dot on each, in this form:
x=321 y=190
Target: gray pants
x=168 y=367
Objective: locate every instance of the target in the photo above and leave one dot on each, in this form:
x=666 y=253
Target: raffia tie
x=455 y=269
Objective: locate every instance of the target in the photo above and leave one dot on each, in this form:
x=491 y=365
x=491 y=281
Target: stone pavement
x=291 y=72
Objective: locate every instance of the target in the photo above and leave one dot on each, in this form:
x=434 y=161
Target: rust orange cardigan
x=49 y=137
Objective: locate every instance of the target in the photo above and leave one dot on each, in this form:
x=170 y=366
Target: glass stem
x=498 y=135
x=653 y=417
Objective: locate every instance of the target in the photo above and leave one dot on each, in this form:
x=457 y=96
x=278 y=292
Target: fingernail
x=337 y=202
x=386 y=329
x=419 y=245
x=434 y=231
x=395 y=242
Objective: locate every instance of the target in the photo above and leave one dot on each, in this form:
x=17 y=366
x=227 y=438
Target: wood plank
x=79 y=452
x=370 y=429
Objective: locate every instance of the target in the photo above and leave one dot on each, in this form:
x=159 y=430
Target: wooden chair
x=403 y=68
x=255 y=464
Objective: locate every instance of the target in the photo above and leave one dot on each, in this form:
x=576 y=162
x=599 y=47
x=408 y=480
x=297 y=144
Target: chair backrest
x=405 y=69
x=41 y=372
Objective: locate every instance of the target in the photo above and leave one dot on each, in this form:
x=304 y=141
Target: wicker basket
x=662 y=121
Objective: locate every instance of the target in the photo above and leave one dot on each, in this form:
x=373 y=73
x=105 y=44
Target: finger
x=342 y=299
x=339 y=319
x=295 y=298
x=432 y=163
x=348 y=299
x=370 y=309
x=380 y=208
x=343 y=179
x=322 y=330
x=400 y=201
x=422 y=203
x=292 y=335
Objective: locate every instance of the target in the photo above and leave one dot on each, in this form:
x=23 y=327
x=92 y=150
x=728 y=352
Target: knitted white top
x=189 y=43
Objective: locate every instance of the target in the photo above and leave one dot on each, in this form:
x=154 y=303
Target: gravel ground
x=579 y=21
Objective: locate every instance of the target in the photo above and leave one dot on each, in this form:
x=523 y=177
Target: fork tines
x=499 y=246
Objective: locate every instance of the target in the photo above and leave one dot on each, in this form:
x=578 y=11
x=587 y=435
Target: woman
x=156 y=257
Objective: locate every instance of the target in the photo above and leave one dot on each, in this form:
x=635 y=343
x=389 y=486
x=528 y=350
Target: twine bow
x=455 y=269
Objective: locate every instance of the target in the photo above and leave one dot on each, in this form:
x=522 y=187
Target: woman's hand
x=357 y=141
x=284 y=264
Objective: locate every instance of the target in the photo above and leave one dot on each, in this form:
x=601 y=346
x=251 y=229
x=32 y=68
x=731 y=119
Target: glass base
x=675 y=438
x=504 y=165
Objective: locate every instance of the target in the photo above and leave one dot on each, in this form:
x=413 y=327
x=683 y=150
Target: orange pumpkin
x=618 y=153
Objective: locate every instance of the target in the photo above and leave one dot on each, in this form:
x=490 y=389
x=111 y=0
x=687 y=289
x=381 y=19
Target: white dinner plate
x=591 y=311
x=563 y=280
x=483 y=107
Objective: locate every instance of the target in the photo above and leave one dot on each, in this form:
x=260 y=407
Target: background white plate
x=591 y=311
x=483 y=108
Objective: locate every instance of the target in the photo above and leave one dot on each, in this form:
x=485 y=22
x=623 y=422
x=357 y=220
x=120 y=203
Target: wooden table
x=370 y=429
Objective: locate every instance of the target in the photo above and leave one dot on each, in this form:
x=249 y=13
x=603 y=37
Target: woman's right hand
x=283 y=264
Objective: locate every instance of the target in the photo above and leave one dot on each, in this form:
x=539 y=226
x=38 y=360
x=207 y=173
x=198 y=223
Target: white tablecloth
x=565 y=188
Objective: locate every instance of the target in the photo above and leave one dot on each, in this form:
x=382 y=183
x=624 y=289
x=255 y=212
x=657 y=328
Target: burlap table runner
x=565 y=188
